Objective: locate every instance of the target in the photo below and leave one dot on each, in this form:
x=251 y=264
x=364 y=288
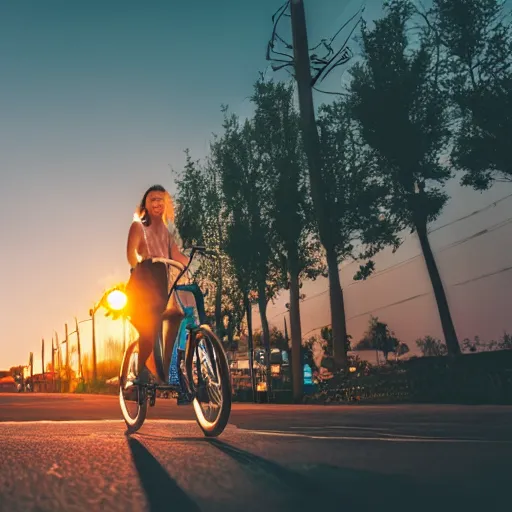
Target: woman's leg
x=146 y=340
x=172 y=319
x=148 y=296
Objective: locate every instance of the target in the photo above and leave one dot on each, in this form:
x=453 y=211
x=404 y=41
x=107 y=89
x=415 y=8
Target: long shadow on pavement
x=355 y=489
x=162 y=492
x=298 y=485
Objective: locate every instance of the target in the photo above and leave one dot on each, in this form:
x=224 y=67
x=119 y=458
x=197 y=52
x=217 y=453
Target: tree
x=431 y=347
x=477 y=40
x=190 y=205
x=327 y=341
x=277 y=339
x=278 y=142
x=506 y=342
x=402 y=349
x=307 y=353
x=200 y=213
x=248 y=217
x=355 y=197
x=378 y=337
x=312 y=149
x=402 y=113
x=326 y=344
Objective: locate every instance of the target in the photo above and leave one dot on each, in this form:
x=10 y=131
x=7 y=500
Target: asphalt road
x=69 y=453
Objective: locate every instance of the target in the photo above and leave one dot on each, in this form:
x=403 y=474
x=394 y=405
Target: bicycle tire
x=133 y=424
x=215 y=428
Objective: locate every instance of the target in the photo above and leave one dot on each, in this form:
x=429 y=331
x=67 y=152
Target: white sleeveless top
x=155 y=246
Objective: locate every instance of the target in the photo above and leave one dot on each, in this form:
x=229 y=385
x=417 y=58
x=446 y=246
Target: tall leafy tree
x=402 y=113
x=200 y=221
x=190 y=203
x=476 y=38
x=431 y=347
x=248 y=216
x=231 y=302
x=356 y=200
x=278 y=142
x=379 y=338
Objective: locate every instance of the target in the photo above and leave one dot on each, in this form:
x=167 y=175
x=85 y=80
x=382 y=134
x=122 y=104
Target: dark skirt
x=147 y=296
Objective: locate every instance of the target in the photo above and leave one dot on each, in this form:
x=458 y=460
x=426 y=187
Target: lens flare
x=117 y=300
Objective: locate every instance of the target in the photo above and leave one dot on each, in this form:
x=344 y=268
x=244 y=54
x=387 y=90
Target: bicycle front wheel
x=132 y=399
x=209 y=378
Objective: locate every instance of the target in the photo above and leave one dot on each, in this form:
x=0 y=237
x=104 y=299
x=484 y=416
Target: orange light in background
x=117 y=300
x=261 y=386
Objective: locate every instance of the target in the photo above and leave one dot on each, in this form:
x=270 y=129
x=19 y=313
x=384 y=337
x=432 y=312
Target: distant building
x=7 y=383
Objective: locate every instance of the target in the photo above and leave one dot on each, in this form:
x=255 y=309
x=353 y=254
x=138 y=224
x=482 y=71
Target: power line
x=486 y=231
x=462 y=283
x=402 y=301
x=492 y=228
x=374 y=310
x=476 y=212
x=483 y=276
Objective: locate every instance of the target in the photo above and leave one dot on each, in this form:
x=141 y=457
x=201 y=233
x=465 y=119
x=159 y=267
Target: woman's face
x=155 y=203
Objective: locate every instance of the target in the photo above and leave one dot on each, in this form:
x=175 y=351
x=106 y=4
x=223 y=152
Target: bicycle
x=198 y=368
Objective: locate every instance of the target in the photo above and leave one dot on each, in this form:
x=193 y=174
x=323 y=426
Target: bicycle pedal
x=130 y=394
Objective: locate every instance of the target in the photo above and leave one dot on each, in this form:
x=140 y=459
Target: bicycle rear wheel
x=132 y=399
x=209 y=378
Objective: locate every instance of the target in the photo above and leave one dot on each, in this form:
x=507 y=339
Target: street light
x=117 y=300
x=114 y=300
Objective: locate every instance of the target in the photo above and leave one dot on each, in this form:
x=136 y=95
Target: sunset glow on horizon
x=99 y=101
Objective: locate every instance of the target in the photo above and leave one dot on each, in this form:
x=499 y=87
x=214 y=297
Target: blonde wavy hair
x=168 y=215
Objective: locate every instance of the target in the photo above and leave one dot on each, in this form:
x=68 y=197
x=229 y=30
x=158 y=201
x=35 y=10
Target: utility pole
x=31 y=362
x=79 y=347
x=312 y=149
x=42 y=365
x=68 y=376
x=307 y=109
x=94 y=365
x=53 y=367
x=59 y=362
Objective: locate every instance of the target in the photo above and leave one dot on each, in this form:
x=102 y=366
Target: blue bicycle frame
x=194 y=317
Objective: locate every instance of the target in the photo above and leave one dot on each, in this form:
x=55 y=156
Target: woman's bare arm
x=177 y=255
x=133 y=244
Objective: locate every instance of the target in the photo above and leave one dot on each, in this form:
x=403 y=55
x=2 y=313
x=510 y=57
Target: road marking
x=368 y=429
x=54 y=470
x=341 y=427
x=78 y=422
x=408 y=439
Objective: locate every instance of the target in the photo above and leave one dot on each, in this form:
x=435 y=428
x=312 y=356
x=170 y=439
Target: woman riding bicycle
x=151 y=236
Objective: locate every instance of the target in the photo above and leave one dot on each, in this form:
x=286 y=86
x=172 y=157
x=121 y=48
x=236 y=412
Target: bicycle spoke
x=208 y=379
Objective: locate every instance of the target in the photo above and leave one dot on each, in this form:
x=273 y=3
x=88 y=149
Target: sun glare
x=117 y=300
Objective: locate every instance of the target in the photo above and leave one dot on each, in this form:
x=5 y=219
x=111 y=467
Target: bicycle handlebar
x=196 y=249
x=173 y=263
x=183 y=268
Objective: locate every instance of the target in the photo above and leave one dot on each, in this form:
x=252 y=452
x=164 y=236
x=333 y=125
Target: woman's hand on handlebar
x=177 y=255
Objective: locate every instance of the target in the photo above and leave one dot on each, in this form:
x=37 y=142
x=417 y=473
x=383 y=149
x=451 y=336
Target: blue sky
x=98 y=100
